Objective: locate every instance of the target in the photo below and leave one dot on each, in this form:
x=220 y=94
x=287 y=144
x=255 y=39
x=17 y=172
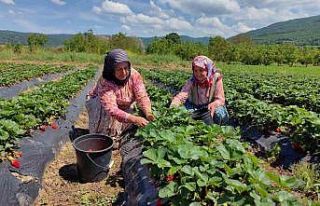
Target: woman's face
x=200 y=73
x=122 y=70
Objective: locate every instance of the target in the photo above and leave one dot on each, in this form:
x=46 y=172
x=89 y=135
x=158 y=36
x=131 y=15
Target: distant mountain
x=54 y=40
x=305 y=31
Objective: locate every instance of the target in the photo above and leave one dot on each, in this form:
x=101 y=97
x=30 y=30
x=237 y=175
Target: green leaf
x=224 y=152
x=287 y=199
x=168 y=190
x=4 y=135
x=236 y=185
x=191 y=186
x=156 y=156
x=195 y=204
x=215 y=181
x=173 y=170
x=187 y=169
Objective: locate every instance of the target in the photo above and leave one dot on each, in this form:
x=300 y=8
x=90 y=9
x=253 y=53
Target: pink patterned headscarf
x=206 y=63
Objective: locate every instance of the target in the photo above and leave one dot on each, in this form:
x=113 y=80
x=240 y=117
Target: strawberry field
x=189 y=163
x=211 y=165
x=40 y=106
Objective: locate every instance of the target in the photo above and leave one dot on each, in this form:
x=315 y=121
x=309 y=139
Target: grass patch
x=309 y=174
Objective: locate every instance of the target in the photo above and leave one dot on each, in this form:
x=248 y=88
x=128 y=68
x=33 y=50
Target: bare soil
x=59 y=187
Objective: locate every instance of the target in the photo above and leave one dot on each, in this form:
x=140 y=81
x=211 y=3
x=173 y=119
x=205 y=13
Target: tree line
x=85 y=42
x=240 y=49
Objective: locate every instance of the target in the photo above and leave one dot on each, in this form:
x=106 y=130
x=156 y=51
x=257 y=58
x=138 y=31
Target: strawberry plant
x=198 y=164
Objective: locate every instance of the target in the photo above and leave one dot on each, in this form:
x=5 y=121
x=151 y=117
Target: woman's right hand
x=140 y=121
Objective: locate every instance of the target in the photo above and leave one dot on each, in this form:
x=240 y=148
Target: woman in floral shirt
x=204 y=90
x=111 y=101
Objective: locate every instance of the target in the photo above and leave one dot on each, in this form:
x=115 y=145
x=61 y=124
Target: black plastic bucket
x=93 y=153
x=204 y=115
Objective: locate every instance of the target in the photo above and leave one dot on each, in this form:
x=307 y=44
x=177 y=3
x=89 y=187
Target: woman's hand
x=173 y=104
x=150 y=116
x=140 y=121
x=211 y=108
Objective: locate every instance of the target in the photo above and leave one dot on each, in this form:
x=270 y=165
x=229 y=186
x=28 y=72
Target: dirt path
x=58 y=187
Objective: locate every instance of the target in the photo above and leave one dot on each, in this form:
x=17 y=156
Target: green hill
x=305 y=31
x=54 y=40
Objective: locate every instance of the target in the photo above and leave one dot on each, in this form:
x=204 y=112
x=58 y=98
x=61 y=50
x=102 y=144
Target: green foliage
x=28 y=110
x=14 y=73
x=308 y=173
x=120 y=40
x=173 y=38
x=86 y=42
x=218 y=48
x=172 y=44
x=37 y=41
x=240 y=50
x=198 y=164
x=17 y=48
x=90 y=43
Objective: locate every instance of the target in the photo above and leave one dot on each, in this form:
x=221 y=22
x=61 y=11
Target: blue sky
x=147 y=18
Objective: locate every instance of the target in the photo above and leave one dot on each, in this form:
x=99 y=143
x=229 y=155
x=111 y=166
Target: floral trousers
x=101 y=122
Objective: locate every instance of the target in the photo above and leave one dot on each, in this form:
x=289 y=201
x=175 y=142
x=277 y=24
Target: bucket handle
x=105 y=168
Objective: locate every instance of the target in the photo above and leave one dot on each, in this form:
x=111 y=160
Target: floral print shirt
x=117 y=99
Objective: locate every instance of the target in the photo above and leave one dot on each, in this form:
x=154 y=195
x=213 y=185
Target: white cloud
x=58 y=2
x=7 y=1
x=150 y=25
x=211 y=26
x=125 y=28
x=178 y=24
x=203 y=7
x=262 y=17
x=209 y=21
x=284 y=4
x=90 y=17
x=142 y=19
x=159 y=17
x=113 y=8
x=241 y=28
x=173 y=23
x=253 y=13
x=97 y=10
x=157 y=11
x=15 y=12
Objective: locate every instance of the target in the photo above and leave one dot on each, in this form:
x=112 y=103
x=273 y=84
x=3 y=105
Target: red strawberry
x=158 y=203
x=54 y=125
x=278 y=130
x=19 y=154
x=170 y=178
x=297 y=147
x=43 y=128
x=15 y=163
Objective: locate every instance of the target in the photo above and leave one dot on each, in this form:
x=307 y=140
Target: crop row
x=301 y=125
x=14 y=73
x=28 y=110
x=197 y=164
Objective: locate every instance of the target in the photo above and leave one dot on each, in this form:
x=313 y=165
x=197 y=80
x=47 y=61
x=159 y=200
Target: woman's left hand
x=150 y=116
x=211 y=107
